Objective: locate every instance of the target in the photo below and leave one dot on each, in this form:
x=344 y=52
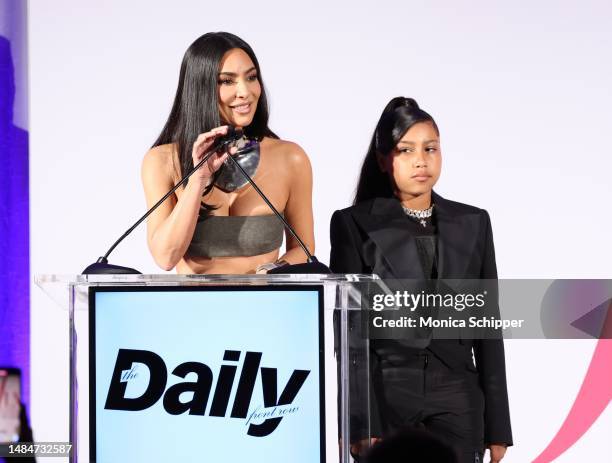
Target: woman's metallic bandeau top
x=236 y=236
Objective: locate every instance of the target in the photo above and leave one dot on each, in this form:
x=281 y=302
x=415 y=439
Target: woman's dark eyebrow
x=402 y=142
x=233 y=74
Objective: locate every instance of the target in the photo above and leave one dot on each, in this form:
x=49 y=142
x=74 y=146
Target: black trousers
x=419 y=390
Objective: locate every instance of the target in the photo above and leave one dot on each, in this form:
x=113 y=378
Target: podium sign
x=206 y=373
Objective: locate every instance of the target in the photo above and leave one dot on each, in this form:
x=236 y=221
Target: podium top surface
x=57 y=286
x=175 y=279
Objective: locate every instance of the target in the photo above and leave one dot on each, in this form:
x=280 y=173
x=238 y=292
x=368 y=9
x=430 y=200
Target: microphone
x=101 y=266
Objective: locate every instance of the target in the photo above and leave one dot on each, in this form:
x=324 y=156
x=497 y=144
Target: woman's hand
x=200 y=147
x=265 y=268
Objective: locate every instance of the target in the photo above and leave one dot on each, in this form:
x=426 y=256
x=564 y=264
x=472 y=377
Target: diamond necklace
x=419 y=215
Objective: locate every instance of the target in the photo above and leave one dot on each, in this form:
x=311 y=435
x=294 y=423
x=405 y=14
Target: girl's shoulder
x=456 y=207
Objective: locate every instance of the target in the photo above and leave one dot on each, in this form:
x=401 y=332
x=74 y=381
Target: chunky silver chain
x=420 y=215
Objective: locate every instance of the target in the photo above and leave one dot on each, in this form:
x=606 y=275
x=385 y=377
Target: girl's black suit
x=374 y=237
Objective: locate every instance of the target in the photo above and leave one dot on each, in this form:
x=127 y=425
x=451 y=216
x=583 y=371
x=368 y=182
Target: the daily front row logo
x=201 y=389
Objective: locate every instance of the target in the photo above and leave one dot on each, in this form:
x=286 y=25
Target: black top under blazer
x=374 y=237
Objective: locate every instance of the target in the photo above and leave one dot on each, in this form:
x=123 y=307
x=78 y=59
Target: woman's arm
x=298 y=210
x=170 y=228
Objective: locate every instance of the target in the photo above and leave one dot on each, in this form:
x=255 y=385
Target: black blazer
x=374 y=237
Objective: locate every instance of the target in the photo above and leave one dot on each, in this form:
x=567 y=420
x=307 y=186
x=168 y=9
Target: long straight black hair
x=196 y=105
x=398 y=116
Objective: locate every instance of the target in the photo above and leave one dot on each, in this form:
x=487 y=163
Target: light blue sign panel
x=265 y=345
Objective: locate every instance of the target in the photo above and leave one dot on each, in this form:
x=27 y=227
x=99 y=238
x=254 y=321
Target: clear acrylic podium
x=247 y=367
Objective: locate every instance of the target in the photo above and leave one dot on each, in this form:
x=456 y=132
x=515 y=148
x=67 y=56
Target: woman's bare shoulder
x=287 y=152
x=159 y=155
x=160 y=159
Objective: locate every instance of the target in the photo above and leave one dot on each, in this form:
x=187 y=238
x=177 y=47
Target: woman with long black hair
x=399 y=228
x=214 y=224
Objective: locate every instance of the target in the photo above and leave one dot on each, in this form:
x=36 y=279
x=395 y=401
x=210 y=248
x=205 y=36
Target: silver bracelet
x=271 y=265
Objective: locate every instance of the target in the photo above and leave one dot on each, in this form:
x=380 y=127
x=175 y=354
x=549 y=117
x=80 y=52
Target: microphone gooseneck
x=288 y=227
x=312 y=266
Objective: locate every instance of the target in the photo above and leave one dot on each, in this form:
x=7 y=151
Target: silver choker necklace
x=419 y=215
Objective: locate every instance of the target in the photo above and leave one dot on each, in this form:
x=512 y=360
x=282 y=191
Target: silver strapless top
x=236 y=236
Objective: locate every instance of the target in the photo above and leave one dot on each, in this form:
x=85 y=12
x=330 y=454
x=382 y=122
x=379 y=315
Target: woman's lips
x=421 y=177
x=243 y=108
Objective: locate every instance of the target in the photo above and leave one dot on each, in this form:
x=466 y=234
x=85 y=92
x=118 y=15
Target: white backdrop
x=521 y=92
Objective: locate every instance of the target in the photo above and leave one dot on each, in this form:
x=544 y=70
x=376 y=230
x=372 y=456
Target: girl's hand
x=497 y=452
x=360 y=447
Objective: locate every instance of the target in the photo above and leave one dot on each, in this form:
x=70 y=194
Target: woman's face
x=239 y=88
x=414 y=164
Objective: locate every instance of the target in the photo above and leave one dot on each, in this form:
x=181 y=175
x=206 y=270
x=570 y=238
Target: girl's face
x=414 y=164
x=239 y=88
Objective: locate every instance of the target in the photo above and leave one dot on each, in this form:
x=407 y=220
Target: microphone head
x=225 y=141
x=233 y=133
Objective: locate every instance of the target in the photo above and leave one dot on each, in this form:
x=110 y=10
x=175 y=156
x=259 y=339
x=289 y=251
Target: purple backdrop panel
x=14 y=202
